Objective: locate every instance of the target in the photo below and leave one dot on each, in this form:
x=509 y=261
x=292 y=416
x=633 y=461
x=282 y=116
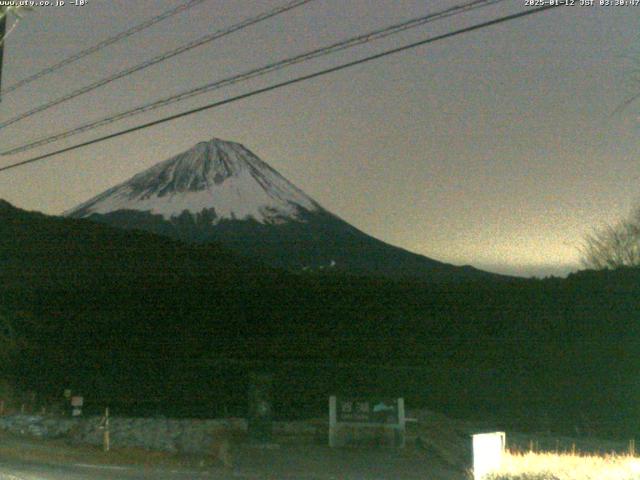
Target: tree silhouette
x=613 y=246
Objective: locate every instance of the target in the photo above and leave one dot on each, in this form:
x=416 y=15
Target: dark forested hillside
x=148 y=325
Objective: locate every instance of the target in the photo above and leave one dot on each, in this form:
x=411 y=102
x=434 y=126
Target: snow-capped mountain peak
x=220 y=192
x=223 y=178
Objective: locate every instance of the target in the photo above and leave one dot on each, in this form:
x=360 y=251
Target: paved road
x=293 y=462
x=17 y=470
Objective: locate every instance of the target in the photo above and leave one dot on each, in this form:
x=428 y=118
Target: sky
x=500 y=148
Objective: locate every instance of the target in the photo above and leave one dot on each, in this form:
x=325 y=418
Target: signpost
x=76 y=406
x=351 y=418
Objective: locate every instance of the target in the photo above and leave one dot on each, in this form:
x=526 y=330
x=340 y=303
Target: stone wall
x=314 y=431
x=163 y=434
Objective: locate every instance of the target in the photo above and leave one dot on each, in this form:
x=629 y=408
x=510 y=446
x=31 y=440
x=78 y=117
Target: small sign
x=67 y=393
x=356 y=421
x=77 y=401
x=367 y=411
x=76 y=412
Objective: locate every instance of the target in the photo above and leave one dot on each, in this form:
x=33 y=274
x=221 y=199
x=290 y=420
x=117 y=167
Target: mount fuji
x=219 y=191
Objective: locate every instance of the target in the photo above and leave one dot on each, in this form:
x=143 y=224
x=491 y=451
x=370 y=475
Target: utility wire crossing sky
x=331 y=49
x=103 y=44
x=280 y=85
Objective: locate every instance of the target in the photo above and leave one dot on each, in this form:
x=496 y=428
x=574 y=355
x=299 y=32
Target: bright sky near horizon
x=499 y=148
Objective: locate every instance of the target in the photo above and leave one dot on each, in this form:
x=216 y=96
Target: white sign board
x=384 y=417
x=488 y=449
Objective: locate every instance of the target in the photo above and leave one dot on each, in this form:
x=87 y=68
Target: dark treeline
x=151 y=326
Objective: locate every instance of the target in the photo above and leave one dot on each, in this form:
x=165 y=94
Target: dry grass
x=552 y=466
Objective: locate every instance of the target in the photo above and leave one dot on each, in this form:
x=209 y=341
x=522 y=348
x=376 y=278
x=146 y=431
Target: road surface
x=51 y=461
x=19 y=470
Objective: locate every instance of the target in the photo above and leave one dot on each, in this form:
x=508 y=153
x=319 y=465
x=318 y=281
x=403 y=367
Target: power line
x=258 y=72
x=286 y=83
x=157 y=59
x=105 y=43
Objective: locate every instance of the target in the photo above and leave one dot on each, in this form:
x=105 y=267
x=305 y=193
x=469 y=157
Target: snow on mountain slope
x=220 y=177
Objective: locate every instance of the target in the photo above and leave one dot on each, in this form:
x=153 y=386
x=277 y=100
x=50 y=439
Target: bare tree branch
x=613 y=246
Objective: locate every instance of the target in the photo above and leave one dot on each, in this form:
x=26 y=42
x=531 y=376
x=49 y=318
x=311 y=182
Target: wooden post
x=573 y=448
x=106 y=439
x=632 y=447
x=1 y=407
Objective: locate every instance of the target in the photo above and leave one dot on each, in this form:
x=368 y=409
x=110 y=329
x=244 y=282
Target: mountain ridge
x=220 y=191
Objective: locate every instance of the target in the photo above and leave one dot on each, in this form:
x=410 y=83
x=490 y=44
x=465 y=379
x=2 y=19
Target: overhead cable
x=258 y=72
x=157 y=59
x=279 y=85
x=105 y=43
